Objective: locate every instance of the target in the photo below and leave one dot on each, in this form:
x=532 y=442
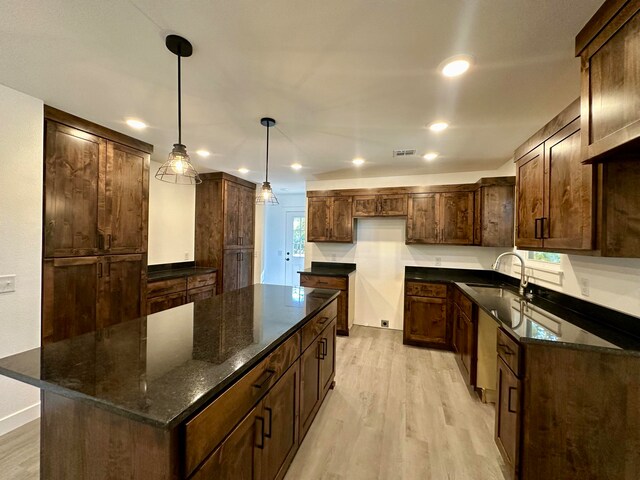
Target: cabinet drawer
x=205 y=431
x=509 y=351
x=466 y=305
x=420 y=289
x=201 y=293
x=311 y=330
x=165 y=302
x=202 y=280
x=164 y=287
x=316 y=281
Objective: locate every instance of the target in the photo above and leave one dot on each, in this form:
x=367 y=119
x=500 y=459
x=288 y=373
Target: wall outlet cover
x=384 y=323
x=7 y=283
x=438 y=261
x=584 y=286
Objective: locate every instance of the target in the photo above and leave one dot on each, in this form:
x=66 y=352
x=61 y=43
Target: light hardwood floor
x=397 y=412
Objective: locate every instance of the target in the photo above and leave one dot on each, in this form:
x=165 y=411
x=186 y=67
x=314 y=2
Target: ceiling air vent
x=407 y=152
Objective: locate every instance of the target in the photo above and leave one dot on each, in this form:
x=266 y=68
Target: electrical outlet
x=186 y=255
x=438 y=261
x=7 y=283
x=584 y=286
x=384 y=323
x=333 y=257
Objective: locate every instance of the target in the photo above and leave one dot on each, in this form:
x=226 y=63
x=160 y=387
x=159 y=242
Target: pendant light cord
x=266 y=175
x=179 y=101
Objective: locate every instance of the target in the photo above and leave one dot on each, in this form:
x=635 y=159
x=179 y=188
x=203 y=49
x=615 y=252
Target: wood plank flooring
x=397 y=413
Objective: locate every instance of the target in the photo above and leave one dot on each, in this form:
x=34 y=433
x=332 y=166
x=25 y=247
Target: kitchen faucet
x=524 y=280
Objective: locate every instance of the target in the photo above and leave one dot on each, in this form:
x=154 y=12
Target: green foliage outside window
x=547 y=257
x=299 y=233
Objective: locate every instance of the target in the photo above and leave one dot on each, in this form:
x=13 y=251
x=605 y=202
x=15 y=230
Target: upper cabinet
x=239 y=215
x=444 y=218
x=555 y=206
x=391 y=205
x=494 y=212
x=609 y=46
x=330 y=219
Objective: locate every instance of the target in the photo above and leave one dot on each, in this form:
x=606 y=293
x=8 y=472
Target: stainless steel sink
x=494 y=291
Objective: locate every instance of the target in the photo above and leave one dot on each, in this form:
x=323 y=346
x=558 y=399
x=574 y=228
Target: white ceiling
x=343 y=78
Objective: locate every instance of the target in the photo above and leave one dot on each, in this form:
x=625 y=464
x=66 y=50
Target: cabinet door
x=468 y=346
x=392 y=205
x=70 y=293
x=318 y=219
x=456 y=218
x=280 y=410
x=328 y=356
x=530 y=194
x=422 y=223
x=365 y=206
x=232 y=202
x=310 y=389
x=455 y=324
x=477 y=217
x=507 y=430
x=497 y=216
x=165 y=302
x=343 y=313
x=245 y=269
x=246 y=212
x=568 y=186
x=123 y=283
x=126 y=201
x=230 y=270
x=73 y=191
x=239 y=456
x=425 y=321
x=341 y=229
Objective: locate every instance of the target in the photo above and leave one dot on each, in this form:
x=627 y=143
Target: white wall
x=172 y=213
x=275 y=236
x=21 y=140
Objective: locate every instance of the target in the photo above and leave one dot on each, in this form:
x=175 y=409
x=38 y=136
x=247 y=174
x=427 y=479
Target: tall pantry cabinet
x=96 y=184
x=225 y=219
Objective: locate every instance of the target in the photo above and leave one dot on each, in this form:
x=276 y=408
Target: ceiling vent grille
x=407 y=152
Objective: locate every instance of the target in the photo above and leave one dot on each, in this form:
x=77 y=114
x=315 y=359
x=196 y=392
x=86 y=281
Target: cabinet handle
x=99 y=269
x=535 y=233
x=325 y=348
x=100 y=241
x=238 y=256
x=323 y=320
x=109 y=242
x=511 y=389
x=542 y=231
x=322 y=283
x=260 y=444
x=505 y=349
x=268 y=435
x=321 y=351
x=267 y=376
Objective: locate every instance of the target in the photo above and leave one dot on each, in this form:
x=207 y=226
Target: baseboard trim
x=19 y=418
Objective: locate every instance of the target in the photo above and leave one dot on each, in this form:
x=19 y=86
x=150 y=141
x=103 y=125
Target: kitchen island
x=221 y=388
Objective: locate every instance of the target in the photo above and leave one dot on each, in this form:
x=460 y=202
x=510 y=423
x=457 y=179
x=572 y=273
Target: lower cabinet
x=173 y=292
x=426 y=319
x=346 y=287
x=237 y=268
x=507 y=431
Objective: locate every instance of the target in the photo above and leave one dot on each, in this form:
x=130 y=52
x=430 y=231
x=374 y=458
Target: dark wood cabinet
x=96 y=184
x=493 y=224
x=365 y=206
x=382 y=205
x=554 y=189
x=426 y=319
x=169 y=293
x=347 y=290
x=330 y=219
x=225 y=228
x=609 y=46
x=465 y=336
x=440 y=218
x=507 y=422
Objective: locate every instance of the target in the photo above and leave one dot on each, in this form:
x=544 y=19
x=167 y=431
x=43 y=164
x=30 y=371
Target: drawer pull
x=320 y=349
x=505 y=349
x=268 y=435
x=322 y=283
x=267 y=374
x=323 y=320
x=260 y=442
x=511 y=410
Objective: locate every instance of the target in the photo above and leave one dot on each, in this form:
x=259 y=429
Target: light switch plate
x=7 y=283
x=438 y=261
x=584 y=286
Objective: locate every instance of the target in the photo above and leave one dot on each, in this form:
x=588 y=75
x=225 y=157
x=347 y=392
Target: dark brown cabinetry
x=554 y=189
x=173 y=292
x=380 y=205
x=330 y=219
x=609 y=46
x=507 y=422
x=426 y=322
x=345 y=285
x=224 y=236
x=444 y=218
x=96 y=185
x=494 y=213
x=465 y=336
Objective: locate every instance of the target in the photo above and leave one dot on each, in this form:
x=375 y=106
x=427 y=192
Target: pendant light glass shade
x=266 y=195
x=178 y=168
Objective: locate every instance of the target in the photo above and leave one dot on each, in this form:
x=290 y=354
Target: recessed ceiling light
x=438 y=126
x=430 y=156
x=137 y=124
x=243 y=170
x=358 y=161
x=296 y=166
x=203 y=153
x=456 y=66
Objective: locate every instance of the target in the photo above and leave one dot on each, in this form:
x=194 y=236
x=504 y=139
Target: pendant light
x=266 y=196
x=178 y=168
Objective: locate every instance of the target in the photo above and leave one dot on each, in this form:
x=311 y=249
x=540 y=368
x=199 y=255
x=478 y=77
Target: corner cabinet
x=225 y=224
x=493 y=225
x=96 y=184
x=609 y=46
x=555 y=191
x=440 y=218
x=330 y=219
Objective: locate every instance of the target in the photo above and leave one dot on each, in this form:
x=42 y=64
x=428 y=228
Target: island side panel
x=80 y=441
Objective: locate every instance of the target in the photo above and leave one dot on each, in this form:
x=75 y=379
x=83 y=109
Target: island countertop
x=162 y=368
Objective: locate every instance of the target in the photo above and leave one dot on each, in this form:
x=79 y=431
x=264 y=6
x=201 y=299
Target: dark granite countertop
x=162 y=368
x=167 y=271
x=330 y=269
x=549 y=316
